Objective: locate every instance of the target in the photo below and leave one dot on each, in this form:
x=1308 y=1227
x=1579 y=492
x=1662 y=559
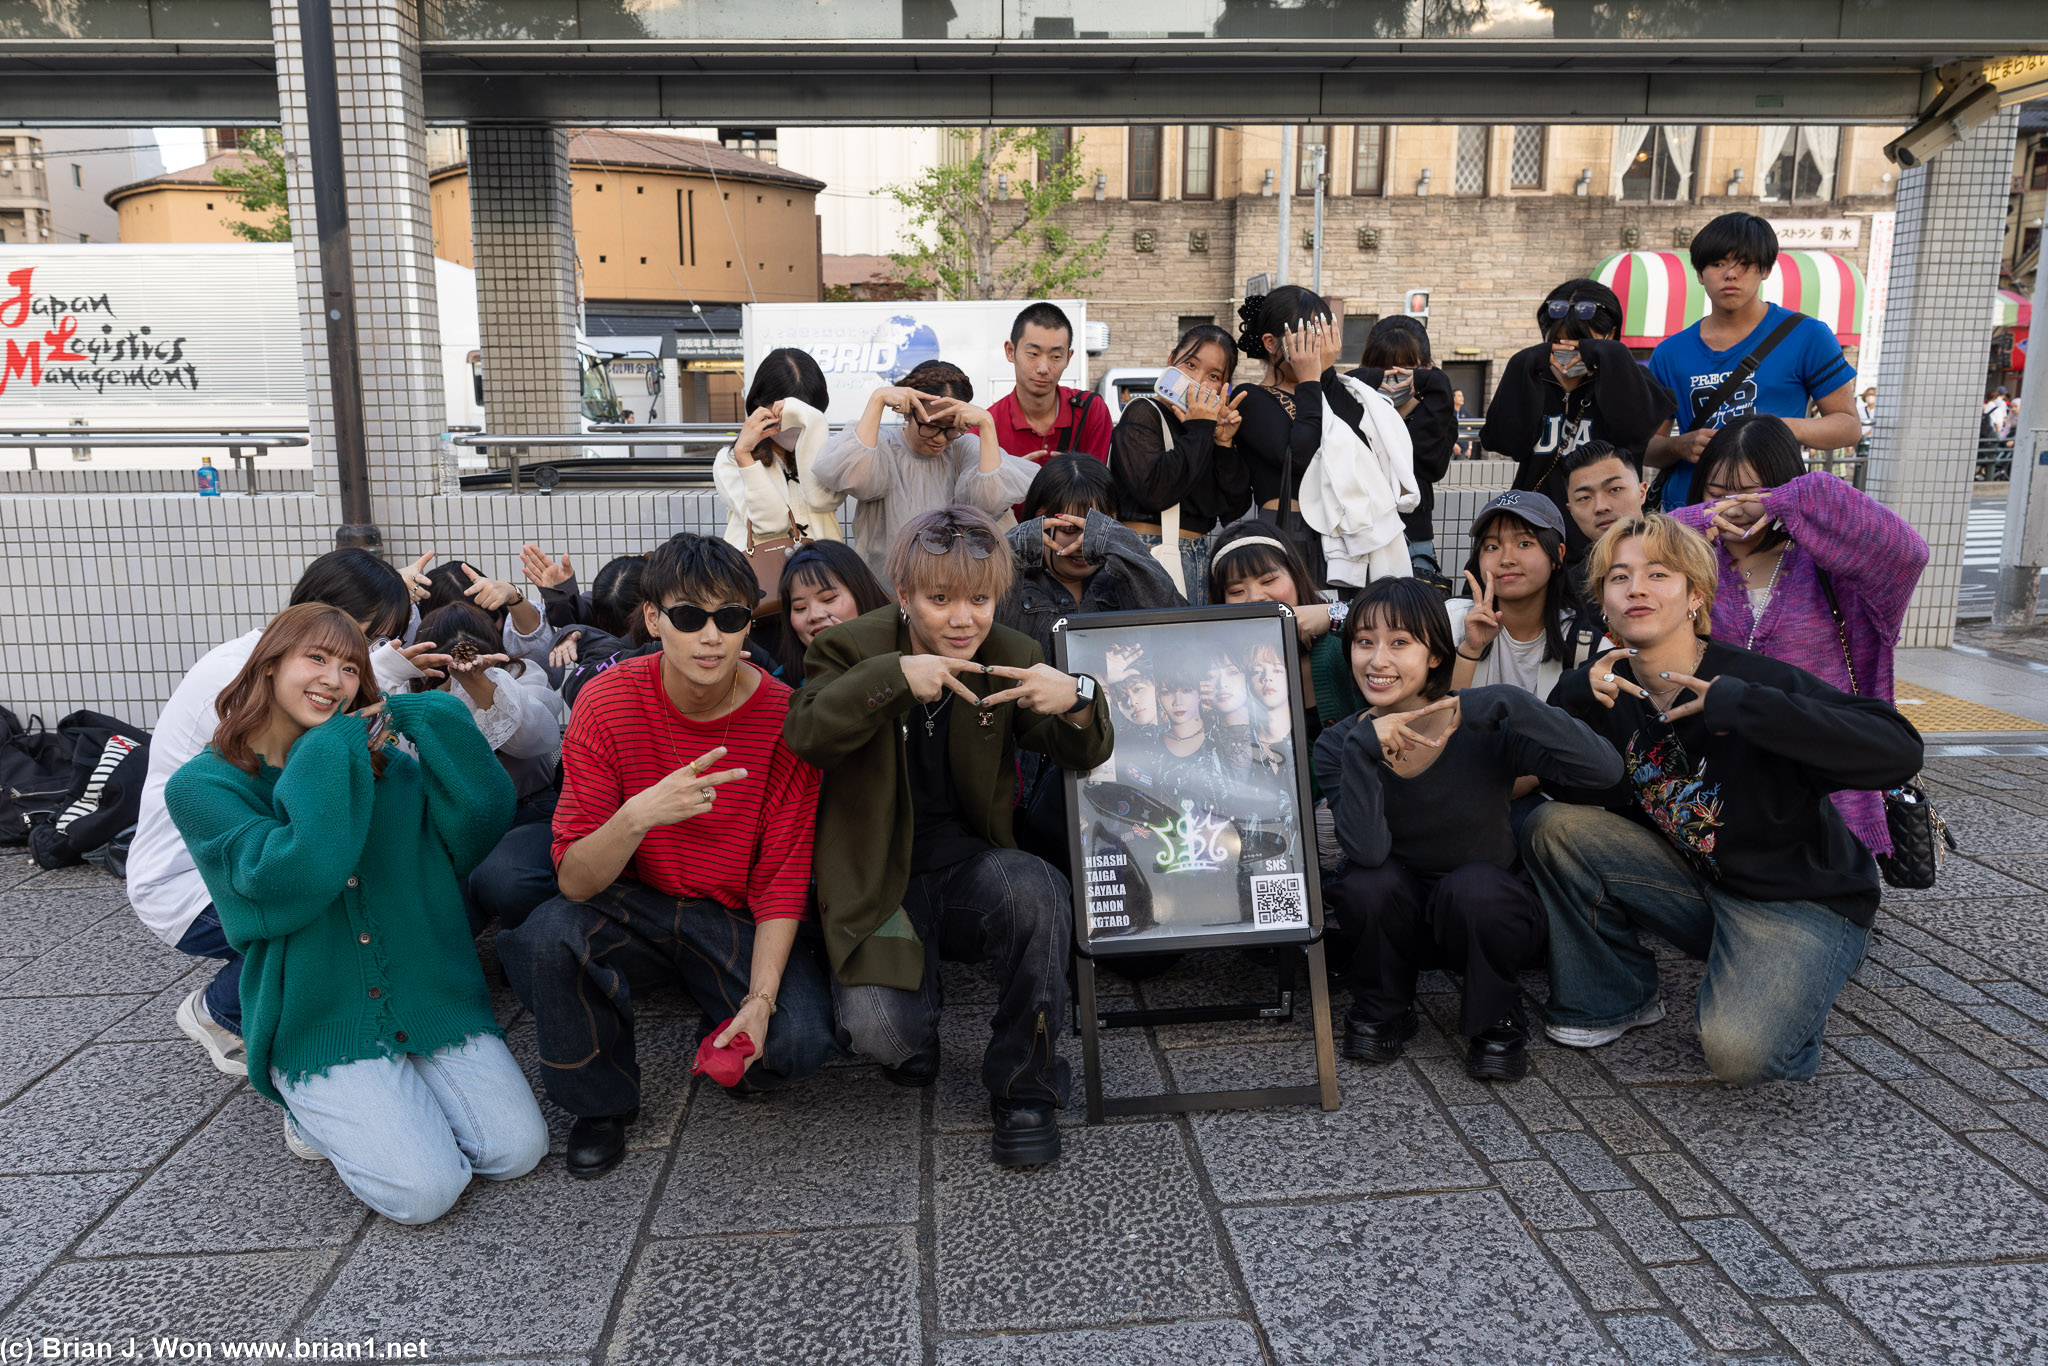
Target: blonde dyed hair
x=914 y=570
x=1670 y=543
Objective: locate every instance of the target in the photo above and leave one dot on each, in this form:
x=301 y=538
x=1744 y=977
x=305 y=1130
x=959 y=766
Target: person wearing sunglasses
x=683 y=851
x=1578 y=384
x=916 y=714
x=945 y=451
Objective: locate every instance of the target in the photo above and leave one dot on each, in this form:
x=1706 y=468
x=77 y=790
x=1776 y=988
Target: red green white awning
x=2012 y=310
x=1661 y=294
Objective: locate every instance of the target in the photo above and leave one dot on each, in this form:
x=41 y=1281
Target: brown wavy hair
x=244 y=705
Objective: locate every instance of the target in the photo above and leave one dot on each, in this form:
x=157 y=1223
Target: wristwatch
x=1084 y=694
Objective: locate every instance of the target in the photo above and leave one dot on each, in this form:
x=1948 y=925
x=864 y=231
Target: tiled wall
x=109 y=599
x=383 y=117
x=525 y=277
x=1931 y=370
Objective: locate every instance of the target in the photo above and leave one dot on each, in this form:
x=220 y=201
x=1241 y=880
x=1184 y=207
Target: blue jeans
x=1773 y=967
x=1194 y=564
x=407 y=1133
x=576 y=964
x=1422 y=557
x=204 y=938
x=1002 y=906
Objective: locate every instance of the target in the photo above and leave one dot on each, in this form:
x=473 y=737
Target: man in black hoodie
x=1578 y=384
x=1721 y=837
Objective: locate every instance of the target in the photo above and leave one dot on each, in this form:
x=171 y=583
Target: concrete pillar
x=525 y=278
x=1930 y=381
x=376 y=45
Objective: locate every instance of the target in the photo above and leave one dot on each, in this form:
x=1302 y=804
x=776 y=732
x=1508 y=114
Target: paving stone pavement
x=1615 y=1207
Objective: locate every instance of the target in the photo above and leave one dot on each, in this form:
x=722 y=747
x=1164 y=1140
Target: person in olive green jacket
x=335 y=862
x=915 y=714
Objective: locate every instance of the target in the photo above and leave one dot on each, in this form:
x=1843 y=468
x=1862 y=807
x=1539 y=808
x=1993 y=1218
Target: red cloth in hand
x=723 y=1065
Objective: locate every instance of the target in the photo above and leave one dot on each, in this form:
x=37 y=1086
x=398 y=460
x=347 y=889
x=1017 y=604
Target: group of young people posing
x=1683 y=727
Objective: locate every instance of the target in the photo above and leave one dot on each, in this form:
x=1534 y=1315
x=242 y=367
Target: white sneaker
x=295 y=1142
x=1592 y=1038
x=222 y=1045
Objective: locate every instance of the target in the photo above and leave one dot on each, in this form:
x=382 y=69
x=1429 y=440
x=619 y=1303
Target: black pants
x=1478 y=920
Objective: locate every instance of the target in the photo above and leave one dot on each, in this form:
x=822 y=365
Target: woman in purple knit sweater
x=1779 y=530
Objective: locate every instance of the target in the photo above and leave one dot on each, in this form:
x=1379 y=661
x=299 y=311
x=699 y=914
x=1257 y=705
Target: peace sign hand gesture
x=1698 y=702
x=415 y=576
x=1040 y=688
x=688 y=792
x=1398 y=734
x=932 y=676
x=1482 y=623
x=1228 y=420
x=1608 y=685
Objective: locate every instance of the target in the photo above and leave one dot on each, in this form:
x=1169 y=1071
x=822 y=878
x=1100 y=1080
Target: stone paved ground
x=1618 y=1207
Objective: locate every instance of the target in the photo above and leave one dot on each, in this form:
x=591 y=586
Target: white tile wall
x=1930 y=382
x=525 y=277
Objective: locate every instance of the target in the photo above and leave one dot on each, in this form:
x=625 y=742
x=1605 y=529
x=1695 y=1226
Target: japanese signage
x=1828 y=234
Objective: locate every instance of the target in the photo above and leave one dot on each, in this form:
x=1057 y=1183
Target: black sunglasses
x=689 y=618
x=939 y=540
x=1582 y=309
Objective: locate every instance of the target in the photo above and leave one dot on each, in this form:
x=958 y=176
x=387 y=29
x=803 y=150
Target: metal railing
x=628 y=470
x=243 y=444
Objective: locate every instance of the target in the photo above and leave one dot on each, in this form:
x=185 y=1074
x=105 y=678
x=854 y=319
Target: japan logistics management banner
x=862 y=347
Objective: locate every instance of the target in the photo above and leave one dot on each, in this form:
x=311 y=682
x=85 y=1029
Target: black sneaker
x=919 y=1069
x=1379 y=1042
x=1500 y=1054
x=1026 y=1135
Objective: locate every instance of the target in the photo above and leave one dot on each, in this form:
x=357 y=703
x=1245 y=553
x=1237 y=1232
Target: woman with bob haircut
x=765 y=477
x=822 y=585
x=1397 y=362
x=335 y=860
x=1721 y=837
x=1814 y=571
x=944 y=452
x=1421 y=783
x=915 y=714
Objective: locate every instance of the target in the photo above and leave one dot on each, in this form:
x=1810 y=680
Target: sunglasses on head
x=939 y=540
x=688 y=617
x=1582 y=309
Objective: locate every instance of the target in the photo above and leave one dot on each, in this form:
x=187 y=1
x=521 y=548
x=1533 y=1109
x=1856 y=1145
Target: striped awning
x=2012 y=310
x=1662 y=295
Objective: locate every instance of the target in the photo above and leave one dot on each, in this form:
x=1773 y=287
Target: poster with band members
x=1198 y=830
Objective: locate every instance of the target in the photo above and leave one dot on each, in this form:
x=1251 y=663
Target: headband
x=1244 y=541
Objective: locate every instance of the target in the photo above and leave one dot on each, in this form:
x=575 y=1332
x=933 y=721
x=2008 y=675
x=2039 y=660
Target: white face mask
x=786 y=440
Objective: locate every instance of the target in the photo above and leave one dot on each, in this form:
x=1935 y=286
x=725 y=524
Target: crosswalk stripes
x=1984 y=536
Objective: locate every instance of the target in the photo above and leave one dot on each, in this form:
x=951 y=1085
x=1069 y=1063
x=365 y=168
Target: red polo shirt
x=1014 y=433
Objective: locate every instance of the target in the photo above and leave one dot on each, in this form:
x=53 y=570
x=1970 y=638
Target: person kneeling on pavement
x=916 y=715
x=334 y=859
x=683 y=851
x=1421 y=784
x=1721 y=838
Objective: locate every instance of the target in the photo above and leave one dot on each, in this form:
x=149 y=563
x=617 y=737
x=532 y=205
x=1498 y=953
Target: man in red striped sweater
x=683 y=851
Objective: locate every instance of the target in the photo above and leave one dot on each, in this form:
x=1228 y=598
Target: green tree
x=970 y=242
x=257 y=186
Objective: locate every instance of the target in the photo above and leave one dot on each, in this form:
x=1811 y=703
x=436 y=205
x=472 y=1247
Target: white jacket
x=1355 y=491
x=761 y=494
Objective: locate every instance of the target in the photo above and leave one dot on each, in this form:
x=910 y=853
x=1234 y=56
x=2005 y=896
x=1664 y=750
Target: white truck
x=864 y=346
x=190 y=336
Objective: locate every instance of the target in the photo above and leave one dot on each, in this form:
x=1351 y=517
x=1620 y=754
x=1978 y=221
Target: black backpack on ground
x=35 y=774
x=108 y=762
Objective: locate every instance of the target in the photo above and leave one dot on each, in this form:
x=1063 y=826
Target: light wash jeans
x=1774 y=968
x=406 y=1133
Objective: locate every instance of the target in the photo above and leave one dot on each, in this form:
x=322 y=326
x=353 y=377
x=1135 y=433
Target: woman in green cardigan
x=916 y=715
x=336 y=860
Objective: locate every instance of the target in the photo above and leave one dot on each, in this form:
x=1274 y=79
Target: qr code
x=1279 y=900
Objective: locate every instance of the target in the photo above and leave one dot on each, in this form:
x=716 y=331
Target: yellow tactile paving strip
x=1936 y=713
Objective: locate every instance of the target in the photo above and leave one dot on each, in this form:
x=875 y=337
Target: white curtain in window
x=1770 y=145
x=1628 y=140
x=1823 y=145
x=1678 y=140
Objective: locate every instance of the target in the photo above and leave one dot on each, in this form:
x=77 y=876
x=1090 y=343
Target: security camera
x=1931 y=136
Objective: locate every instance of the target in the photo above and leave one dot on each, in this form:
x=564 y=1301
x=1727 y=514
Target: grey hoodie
x=1129 y=580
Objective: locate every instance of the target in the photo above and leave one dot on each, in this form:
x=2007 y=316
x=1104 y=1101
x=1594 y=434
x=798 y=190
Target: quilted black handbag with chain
x=1920 y=838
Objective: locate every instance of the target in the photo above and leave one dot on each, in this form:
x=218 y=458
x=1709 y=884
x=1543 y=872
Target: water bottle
x=209 y=478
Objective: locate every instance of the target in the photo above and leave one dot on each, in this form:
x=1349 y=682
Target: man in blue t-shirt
x=1733 y=256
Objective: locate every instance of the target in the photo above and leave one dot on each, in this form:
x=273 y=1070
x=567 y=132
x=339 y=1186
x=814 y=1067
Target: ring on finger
x=1607 y=678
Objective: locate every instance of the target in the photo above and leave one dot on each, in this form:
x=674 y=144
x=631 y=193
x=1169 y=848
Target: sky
x=182 y=147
